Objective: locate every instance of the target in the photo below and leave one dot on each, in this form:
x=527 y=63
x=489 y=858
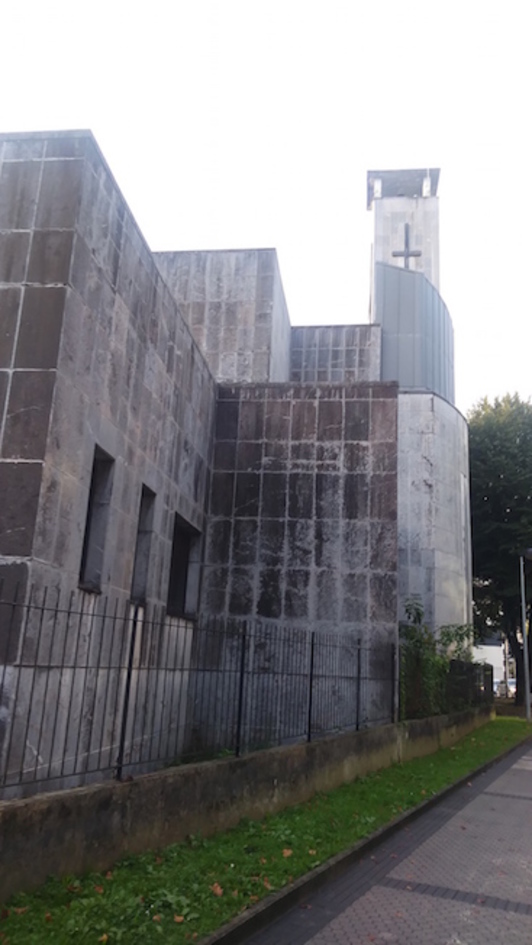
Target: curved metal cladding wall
x=417 y=331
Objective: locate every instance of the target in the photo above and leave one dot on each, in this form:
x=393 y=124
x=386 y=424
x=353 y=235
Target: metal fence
x=92 y=689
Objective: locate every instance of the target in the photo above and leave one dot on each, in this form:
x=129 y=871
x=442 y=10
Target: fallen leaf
x=312 y=853
x=179 y=918
x=253 y=898
x=104 y=938
x=156 y=918
x=109 y=875
x=158 y=860
x=267 y=884
x=287 y=852
x=48 y=917
x=21 y=910
x=98 y=889
x=217 y=889
x=263 y=859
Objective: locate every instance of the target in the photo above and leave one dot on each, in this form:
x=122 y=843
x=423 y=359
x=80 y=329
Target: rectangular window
x=184 y=563
x=139 y=584
x=90 y=575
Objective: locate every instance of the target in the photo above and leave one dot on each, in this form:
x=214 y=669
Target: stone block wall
x=303 y=510
x=36 y=238
x=94 y=352
x=336 y=354
x=234 y=303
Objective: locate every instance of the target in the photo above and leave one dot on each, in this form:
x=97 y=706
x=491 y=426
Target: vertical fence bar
x=24 y=741
x=238 y=742
x=359 y=679
x=47 y=668
x=310 y=686
x=123 y=727
x=394 y=683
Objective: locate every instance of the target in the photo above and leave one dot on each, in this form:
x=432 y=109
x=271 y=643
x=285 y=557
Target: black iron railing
x=92 y=688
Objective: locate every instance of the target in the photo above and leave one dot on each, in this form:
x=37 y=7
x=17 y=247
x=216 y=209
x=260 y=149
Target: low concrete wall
x=89 y=828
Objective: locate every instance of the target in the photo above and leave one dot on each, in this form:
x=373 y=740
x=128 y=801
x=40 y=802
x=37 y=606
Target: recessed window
x=139 y=584
x=90 y=576
x=184 y=569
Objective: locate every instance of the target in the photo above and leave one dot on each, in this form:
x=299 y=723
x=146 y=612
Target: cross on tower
x=407 y=253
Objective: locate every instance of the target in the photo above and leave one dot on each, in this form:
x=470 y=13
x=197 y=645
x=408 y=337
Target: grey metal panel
x=417 y=332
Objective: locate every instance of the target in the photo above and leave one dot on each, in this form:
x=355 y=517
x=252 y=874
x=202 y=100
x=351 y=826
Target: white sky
x=236 y=123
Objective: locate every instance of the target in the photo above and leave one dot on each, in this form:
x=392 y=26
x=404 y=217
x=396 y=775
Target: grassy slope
x=191 y=888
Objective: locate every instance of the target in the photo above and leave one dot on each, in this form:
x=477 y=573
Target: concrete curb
x=264 y=913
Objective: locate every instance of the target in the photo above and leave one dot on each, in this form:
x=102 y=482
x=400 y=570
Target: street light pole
x=525 y=635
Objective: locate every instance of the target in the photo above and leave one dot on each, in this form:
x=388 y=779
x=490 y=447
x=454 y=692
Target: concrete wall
x=234 y=302
x=73 y=832
x=302 y=523
x=336 y=354
x=95 y=352
x=434 y=545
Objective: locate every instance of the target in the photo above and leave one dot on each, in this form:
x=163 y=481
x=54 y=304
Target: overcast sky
x=243 y=123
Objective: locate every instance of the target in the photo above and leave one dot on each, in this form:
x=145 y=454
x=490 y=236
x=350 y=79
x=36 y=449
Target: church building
x=167 y=436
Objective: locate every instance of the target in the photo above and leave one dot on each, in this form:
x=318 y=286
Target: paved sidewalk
x=461 y=874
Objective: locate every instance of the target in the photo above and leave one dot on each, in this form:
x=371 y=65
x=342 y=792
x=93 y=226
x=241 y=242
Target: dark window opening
x=139 y=584
x=182 y=592
x=90 y=575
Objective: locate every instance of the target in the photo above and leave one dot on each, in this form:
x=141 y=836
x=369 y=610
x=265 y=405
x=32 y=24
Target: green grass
x=189 y=889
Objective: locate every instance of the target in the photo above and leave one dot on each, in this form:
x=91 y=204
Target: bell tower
x=417 y=332
x=406 y=214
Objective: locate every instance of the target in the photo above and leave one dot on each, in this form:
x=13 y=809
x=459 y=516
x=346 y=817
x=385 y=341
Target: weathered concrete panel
x=336 y=354
x=433 y=509
x=289 y=530
x=234 y=303
x=103 y=357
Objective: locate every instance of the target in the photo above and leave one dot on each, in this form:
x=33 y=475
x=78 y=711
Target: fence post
x=127 y=690
x=238 y=745
x=310 y=686
x=359 y=680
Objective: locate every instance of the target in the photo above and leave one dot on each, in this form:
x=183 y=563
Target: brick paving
x=460 y=874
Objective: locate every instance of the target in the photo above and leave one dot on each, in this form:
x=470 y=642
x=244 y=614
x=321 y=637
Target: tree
x=500 y=450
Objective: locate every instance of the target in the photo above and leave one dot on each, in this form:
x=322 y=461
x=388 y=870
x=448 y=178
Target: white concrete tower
x=434 y=548
x=406 y=213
